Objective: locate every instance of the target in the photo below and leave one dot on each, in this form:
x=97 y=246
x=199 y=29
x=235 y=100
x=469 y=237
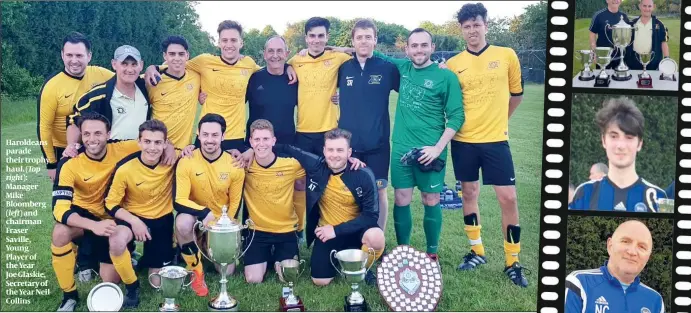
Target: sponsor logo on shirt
x=374 y=79
x=620 y=207
x=492 y=65
x=601 y=305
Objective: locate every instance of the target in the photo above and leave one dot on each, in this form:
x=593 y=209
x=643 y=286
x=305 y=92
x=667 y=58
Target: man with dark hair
x=428 y=114
x=224 y=82
x=616 y=286
x=59 y=93
x=174 y=99
x=123 y=99
x=78 y=203
x=204 y=184
x=492 y=85
x=621 y=127
x=140 y=198
x=341 y=204
x=365 y=83
x=600 y=34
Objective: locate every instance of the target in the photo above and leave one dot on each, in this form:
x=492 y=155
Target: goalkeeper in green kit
x=428 y=115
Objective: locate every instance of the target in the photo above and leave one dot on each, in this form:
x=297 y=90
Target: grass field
x=486 y=289
x=581 y=40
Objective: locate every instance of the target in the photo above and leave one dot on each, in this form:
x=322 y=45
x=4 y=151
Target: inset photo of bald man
x=618 y=265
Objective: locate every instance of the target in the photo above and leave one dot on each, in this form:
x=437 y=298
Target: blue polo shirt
x=364 y=101
x=597 y=291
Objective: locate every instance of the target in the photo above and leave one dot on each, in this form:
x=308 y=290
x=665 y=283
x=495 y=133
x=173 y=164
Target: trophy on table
x=603 y=57
x=172 y=280
x=644 y=79
x=291 y=270
x=353 y=266
x=223 y=247
x=667 y=68
x=586 y=57
x=621 y=34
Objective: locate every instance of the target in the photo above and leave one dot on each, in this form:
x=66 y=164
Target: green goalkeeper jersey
x=429 y=100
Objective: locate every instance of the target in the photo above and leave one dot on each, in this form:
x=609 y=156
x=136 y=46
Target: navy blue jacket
x=660 y=35
x=364 y=101
x=360 y=183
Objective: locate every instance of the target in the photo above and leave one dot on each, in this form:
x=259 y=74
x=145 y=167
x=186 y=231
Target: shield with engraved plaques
x=409 y=281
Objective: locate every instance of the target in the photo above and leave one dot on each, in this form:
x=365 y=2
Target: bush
x=656 y=162
x=586 y=248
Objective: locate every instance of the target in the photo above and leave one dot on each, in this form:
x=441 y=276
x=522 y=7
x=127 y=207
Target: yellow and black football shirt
x=317 y=77
x=143 y=190
x=81 y=181
x=55 y=103
x=488 y=80
x=269 y=194
x=202 y=185
x=226 y=86
x=337 y=205
x=174 y=102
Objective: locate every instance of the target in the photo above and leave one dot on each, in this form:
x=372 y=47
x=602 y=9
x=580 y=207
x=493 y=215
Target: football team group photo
x=348 y=164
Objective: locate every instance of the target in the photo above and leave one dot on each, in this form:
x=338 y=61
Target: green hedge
x=586 y=248
x=656 y=162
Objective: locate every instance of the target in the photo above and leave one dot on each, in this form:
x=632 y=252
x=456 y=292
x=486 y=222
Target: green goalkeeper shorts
x=410 y=176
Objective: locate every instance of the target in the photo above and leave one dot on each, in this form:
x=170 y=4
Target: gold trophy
x=644 y=79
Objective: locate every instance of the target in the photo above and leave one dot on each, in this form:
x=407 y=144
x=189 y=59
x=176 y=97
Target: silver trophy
x=172 y=280
x=223 y=247
x=291 y=270
x=621 y=39
x=603 y=57
x=644 y=79
x=586 y=58
x=353 y=266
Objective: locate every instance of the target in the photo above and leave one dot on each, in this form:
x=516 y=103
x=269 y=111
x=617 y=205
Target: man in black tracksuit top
x=364 y=84
x=342 y=204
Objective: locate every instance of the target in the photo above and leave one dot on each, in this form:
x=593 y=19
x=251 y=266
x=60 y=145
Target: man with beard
x=140 y=198
x=492 y=85
x=204 y=183
x=621 y=128
x=616 y=286
x=365 y=83
x=59 y=93
x=78 y=203
x=224 y=81
x=174 y=98
x=428 y=114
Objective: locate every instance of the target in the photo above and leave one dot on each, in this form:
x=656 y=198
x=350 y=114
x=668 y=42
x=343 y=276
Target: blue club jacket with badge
x=360 y=182
x=597 y=291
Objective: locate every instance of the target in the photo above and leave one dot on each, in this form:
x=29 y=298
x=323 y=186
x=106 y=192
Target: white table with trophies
x=631 y=83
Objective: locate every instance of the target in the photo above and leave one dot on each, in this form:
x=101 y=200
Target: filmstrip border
x=681 y=276
x=555 y=152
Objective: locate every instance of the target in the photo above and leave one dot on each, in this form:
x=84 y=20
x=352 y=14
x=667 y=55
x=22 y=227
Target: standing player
x=490 y=77
x=428 y=114
x=78 y=203
x=268 y=193
x=204 y=183
x=621 y=126
x=140 y=198
x=174 y=98
x=60 y=92
x=224 y=80
x=365 y=83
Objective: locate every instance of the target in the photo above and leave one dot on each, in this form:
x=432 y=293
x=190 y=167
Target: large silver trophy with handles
x=353 y=266
x=172 y=280
x=621 y=39
x=586 y=58
x=223 y=247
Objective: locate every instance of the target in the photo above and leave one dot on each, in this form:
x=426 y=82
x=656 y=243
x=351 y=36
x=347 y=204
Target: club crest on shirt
x=640 y=207
x=358 y=192
x=428 y=83
x=121 y=110
x=374 y=79
x=327 y=63
x=244 y=72
x=279 y=174
x=223 y=176
x=645 y=310
x=189 y=86
x=492 y=65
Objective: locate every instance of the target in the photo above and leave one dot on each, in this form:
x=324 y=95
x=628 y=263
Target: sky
x=257 y=14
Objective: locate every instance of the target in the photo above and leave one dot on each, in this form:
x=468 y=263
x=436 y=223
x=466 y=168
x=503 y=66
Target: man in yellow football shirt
x=490 y=78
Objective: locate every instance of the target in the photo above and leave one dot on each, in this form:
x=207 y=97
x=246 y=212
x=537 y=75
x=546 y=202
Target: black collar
x=139 y=157
x=479 y=52
x=72 y=76
x=226 y=62
x=270 y=163
x=165 y=72
x=316 y=56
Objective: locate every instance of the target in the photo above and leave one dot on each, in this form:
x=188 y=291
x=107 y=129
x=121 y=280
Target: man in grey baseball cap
x=122 y=52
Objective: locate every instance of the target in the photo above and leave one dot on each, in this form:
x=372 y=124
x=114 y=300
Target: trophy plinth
x=172 y=281
x=353 y=266
x=291 y=270
x=223 y=247
x=586 y=57
x=621 y=35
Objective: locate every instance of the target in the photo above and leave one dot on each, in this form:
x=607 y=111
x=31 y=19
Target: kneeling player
x=204 y=183
x=268 y=194
x=342 y=204
x=140 y=197
x=78 y=203
x=621 y=127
